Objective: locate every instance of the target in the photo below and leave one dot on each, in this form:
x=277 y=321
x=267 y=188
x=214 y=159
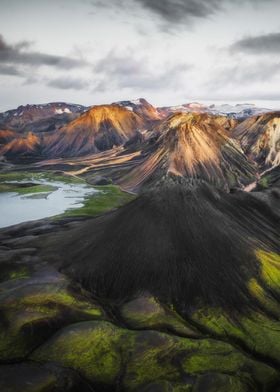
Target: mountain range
x=185 y=140
x=167 y=278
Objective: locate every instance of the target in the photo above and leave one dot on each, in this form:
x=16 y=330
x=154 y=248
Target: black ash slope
x=183 y=244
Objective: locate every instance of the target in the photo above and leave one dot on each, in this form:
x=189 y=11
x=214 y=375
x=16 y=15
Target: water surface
x=16 y=208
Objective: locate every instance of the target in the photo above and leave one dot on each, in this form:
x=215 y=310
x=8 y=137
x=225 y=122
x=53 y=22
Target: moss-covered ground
x=25 y=190
x=108 y=197
x=141 y=345
x=30 y=176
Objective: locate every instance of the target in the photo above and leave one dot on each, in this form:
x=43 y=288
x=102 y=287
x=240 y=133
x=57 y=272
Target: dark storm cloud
x=67 y=83
x=20 y=55
x=174 y=11
x=179 y=10
x=126 y=71
x=9 y=70
x=171 y=15
x=267 y=43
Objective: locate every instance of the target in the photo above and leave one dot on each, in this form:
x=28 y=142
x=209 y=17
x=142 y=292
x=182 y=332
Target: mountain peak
x=193 y=145
x=260 y=138
x=100 y=128
x=143 y=108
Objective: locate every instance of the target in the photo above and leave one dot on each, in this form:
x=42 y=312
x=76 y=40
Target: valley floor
x=57 y=336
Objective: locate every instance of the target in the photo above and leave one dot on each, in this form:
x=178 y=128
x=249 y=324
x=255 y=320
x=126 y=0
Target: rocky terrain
x=238 y=112
x=194 y=146
x=30 y=116
x=101 y=128
x=260 y=138
x=173 y=285
x=144 y=109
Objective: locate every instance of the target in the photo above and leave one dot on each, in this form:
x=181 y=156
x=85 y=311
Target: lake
x=17 y=208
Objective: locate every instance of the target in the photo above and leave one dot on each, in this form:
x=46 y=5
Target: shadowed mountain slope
x=193 y=146
x=260 y=138
x=184 y=295
x=21 y=147
x=98 y=129
x=6 y=135
x=182 y=244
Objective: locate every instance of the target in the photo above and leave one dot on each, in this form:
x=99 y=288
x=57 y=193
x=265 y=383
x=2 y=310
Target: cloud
x=249 y=80
x=261 y=44
x=250 y=73
x=181 y=10
x=9 y=70
x=267 y=96
x=171 y=15
x=127 y=71
x=186 y=11
x=244 y=75
x=20 y=54
x=67 y=83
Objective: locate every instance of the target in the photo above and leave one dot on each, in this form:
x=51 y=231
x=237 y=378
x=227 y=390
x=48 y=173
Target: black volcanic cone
x=184 y=245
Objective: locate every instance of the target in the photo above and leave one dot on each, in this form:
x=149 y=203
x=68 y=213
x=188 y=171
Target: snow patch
x=136 y=102
x=61 y=111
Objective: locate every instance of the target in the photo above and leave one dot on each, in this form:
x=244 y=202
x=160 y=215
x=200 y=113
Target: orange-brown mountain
x=100 y=128
x=191 y=146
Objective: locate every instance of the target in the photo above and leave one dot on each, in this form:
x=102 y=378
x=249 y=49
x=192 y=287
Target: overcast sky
x=167 y=51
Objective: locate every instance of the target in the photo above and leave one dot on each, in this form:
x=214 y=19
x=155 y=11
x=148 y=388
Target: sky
x=167 y=51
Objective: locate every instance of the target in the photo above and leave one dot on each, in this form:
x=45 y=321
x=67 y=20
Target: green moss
x=15 y=176
x=255 y=331
x=62 y=177
x=153 y=359
x=19 y=274
x=265 y=335
x=31 y=312
x=147 y=313
x=158 y=356
x=10 y=271
x=263 y=296
x=222 y=358
x=264 y=182
x=212 y=358
x=22 y=335
x=101 y=352
x=270 y=268
x=39 y=188
x=48 y=296
x=42 y=175
x=8 y=181
x=110 y=197
x=91 y=348
x=216 y=321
